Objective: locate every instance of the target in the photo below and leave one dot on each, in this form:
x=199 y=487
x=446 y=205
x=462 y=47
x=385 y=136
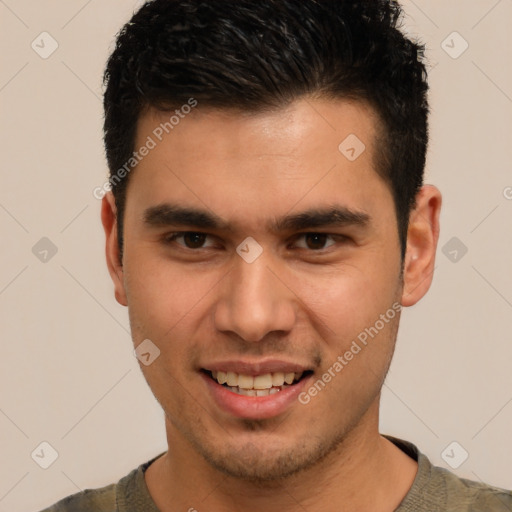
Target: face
x=280 y=311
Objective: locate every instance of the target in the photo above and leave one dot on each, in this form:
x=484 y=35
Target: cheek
x=166 y=306
x=346 y=301
x=163 y=295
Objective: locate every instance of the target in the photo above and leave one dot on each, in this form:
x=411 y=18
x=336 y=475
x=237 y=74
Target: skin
x=299 y=301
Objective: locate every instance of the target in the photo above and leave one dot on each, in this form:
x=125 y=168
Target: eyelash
x=170 y=238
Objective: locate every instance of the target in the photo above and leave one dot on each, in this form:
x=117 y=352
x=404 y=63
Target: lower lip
x=254 y=407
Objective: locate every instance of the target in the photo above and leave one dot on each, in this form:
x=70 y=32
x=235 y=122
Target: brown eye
x=191 y=239
x=194 y=240
x=315 y=241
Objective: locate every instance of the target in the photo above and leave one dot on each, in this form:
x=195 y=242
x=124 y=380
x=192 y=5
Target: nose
x=254 y=301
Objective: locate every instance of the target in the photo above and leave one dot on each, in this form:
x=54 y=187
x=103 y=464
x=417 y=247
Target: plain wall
x=67 y=371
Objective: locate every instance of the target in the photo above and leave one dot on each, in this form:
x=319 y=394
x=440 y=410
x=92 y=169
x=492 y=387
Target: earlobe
x=114 y=264
x=422 y=238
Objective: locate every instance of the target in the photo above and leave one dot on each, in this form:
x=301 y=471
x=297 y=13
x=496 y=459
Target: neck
x=365 y=472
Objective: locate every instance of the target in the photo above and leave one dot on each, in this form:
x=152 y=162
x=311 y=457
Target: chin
x=257 y=463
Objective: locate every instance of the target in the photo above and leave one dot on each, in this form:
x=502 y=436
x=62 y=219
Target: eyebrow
x=333 y=216
x=173 y=215
x=167 y=214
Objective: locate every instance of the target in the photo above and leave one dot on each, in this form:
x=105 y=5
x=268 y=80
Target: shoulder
x=130 y=494
x=437 y=489
x=103 y=499
x=466 y=495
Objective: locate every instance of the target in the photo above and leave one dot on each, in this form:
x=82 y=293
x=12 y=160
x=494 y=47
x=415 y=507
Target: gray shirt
x=434 y=489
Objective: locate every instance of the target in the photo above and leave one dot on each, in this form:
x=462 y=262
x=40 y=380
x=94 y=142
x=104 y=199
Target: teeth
x=254 y=392
x=245 y=382
x=288 y=377
x=232 y=379
x=263 y=381
x=262 y=385
x=277 y=379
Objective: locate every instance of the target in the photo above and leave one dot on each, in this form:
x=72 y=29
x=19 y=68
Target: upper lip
x=256 y=367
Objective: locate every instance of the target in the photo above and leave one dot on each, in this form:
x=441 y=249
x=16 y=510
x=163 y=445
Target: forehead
x=303 y=124
x=231 y=162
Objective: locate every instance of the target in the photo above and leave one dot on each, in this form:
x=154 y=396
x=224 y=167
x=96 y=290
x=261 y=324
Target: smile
x=258 y=385
x=255 y=390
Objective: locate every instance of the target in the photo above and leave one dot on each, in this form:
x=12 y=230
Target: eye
x=191 y=239
x=317 y=241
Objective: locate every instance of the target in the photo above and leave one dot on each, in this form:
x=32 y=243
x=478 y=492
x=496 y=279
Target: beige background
x=67 y=373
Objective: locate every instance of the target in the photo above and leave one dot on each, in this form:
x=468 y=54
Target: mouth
x=257 y=385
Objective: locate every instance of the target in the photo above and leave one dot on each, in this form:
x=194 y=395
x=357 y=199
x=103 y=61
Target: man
x=267 y=221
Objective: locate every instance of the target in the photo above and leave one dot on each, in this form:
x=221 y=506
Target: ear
x=422 y=238
x=114 y=264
